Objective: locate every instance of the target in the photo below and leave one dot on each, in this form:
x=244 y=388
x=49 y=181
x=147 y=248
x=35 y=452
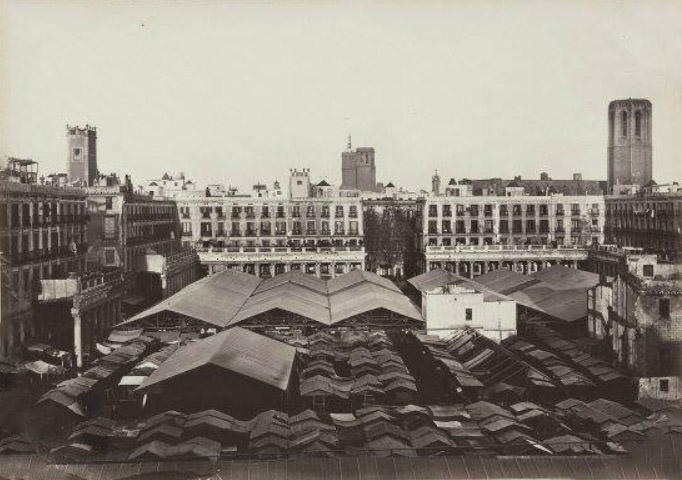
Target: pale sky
x=238 y=92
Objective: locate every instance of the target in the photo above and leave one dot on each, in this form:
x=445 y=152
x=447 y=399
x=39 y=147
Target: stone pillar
x=77 y=338
x=164 y=284
x=471 y=269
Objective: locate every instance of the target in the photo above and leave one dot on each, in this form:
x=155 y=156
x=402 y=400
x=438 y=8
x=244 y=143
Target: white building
x=451 y=303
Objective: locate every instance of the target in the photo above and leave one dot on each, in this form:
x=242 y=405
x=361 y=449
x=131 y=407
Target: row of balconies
x=505 y=213
x=267 y=233
x=281 y=249
x=499 y=248
x=278 y=214
x=43 y=254
x=37 y=221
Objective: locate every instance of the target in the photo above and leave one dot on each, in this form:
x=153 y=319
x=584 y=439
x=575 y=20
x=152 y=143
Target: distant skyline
x=239 y=93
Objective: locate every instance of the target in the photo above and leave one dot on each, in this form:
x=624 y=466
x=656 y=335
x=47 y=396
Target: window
x=433 y=226
x=504 y=226
x=664 y=307
x=638 y=123
x=109 y=256
x=447 y=211
x=648 y=270
x=353 y=227
x=624 y=124
x=664 y=385
x=76 y=152
x=110 y=228
x=353 y=213
x=187 y=228
x=339 y=211
x=109 y=202
x=468 y=314
x=433 y=210
x=206 y=229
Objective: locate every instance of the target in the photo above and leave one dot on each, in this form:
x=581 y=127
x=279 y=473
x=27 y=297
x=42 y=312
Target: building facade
x=637 y=314
x=141 y=236
x=629 y=144
x=266 y=236
x=43 y=234
x=81 y=155
x=472 y=234
x=652 y=221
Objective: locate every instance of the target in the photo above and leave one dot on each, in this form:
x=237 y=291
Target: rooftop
x=229 y=298
x=557 y=291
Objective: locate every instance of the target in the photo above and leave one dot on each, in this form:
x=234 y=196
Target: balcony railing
x=500 y=248
x=303 y=248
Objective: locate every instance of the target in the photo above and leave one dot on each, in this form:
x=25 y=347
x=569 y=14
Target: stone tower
x=629 y=149
x=358 y=171
x=81 y=156
x=299 y=183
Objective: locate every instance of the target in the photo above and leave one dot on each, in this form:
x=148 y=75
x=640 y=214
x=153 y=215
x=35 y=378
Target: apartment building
x=648 y=220
x=141 y=236
x=476 y=226
x=43 y=235
x=269 y=236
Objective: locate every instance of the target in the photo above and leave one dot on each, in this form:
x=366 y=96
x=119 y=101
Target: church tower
x=629 y=148
x=81 y=155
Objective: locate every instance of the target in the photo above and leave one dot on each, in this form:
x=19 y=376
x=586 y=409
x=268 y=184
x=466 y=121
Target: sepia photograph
x=340 y=240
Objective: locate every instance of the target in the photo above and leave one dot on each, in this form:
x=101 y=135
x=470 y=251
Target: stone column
x=77 y=338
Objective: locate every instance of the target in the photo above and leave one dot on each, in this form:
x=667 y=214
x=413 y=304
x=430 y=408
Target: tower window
x=624 y=123
x=468 y=314
x=76 y=152
x=638 y=123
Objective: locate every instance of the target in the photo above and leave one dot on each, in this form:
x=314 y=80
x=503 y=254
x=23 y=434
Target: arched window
x=638 y=123
x=624 y=123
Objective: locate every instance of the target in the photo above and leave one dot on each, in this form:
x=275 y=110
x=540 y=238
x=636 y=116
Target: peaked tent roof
x=227 y=298
x=215 y=299
x=557 y=291
x=238 y=350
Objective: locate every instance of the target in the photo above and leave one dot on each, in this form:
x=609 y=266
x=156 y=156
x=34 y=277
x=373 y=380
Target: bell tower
x=629 y=147
x=81 y=154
